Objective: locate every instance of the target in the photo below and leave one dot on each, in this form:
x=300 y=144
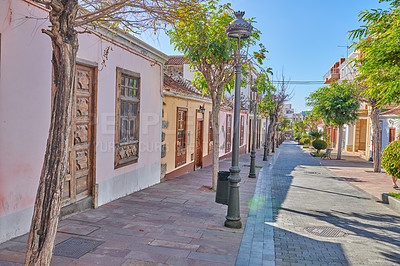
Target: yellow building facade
x=186 y=129
x=359 y=137
x=362 y=134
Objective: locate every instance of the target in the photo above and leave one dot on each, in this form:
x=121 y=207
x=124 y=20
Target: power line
x=347 y=49
x=298 y=82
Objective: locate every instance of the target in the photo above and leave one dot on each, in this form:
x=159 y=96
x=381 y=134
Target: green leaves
x=391 y=159
x=378 y=42
x=202 y=35
x=336 y=104
x=319 y=145
x=268 y=102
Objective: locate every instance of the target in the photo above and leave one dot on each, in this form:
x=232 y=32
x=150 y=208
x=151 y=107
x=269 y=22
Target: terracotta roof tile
x=177 y=60
x=179 y=84
x=394 y=111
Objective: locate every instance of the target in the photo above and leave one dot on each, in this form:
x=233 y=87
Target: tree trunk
x=276 y=136
x=215 y=127
x=280 y=138
x=269 y=137
x=48 y=198
x=376 y=138
x=273 y=142
x=339 y=152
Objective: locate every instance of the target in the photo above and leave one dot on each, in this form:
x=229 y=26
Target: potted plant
x=306 y=141
x=319 y=145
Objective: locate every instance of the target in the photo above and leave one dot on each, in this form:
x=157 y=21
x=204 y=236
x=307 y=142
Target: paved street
x=176 y=222
x=300 y=213
x=304 y=202
x=360 y=173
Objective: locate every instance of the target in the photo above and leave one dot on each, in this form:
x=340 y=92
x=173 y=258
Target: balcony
x=332 y=75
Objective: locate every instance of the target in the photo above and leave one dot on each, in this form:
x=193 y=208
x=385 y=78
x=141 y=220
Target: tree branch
x=49 y=33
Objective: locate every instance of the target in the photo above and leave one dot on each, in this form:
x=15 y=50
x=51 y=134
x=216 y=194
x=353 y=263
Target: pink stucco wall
x=150 y=74
x=25 y=102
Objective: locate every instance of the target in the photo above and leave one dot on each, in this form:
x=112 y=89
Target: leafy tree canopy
x=299 y=127
x=336 y=104
x=267 y=103
x=202 y=35
x=311 y=121
x=378 y=42
x=202 y=38
x=285 y=124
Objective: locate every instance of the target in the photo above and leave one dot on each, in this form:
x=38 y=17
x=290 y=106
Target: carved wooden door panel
x=79 y=178
x=199 y=144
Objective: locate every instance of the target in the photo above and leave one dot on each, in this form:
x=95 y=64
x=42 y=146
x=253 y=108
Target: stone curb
x=393 y=203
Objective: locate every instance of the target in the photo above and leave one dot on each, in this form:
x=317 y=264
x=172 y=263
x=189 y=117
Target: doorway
x=250 y=134
x=79 y=180
x=199 y=141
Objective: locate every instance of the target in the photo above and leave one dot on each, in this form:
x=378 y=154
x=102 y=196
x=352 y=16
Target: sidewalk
x=360 y=173
x=320 y=219
x=176 y=222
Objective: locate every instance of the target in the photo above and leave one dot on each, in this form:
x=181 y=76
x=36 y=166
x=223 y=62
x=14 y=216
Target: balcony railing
x=332 y=75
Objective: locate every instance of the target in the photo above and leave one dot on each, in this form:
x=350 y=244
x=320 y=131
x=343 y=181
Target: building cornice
x=185 y=96
x=120 y=37
x=133 y=43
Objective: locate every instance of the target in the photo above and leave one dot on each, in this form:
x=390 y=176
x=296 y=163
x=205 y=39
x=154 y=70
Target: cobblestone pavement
x=304 y=202
x=176 y=222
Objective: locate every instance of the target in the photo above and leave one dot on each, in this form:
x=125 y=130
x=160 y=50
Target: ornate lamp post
x=238 y=29
x=252 y=173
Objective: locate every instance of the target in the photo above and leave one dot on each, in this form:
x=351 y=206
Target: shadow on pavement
x=282 y=171
x=330 y=192
x=265 y=242
x=361 y=224
x=391 y=257
x=291 y=246
x=294 y=248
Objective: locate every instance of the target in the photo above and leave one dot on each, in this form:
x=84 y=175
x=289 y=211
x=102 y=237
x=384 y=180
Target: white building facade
x=116 y=127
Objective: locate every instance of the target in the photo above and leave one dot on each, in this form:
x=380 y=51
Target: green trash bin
x=222 y=195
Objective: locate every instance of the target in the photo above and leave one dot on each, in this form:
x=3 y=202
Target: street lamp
x=252 y=173
x=238 y=29
x=202 y=109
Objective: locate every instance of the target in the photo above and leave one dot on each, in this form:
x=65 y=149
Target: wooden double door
x=79 y=180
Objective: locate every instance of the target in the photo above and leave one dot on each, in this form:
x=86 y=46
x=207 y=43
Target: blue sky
x=302 y=36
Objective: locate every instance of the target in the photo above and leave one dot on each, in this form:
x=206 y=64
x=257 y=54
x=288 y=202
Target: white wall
x=150 y=117
x=188 y=73
x=349 y=134
x=25 y=102
x=389 y=122
x=24 y=113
